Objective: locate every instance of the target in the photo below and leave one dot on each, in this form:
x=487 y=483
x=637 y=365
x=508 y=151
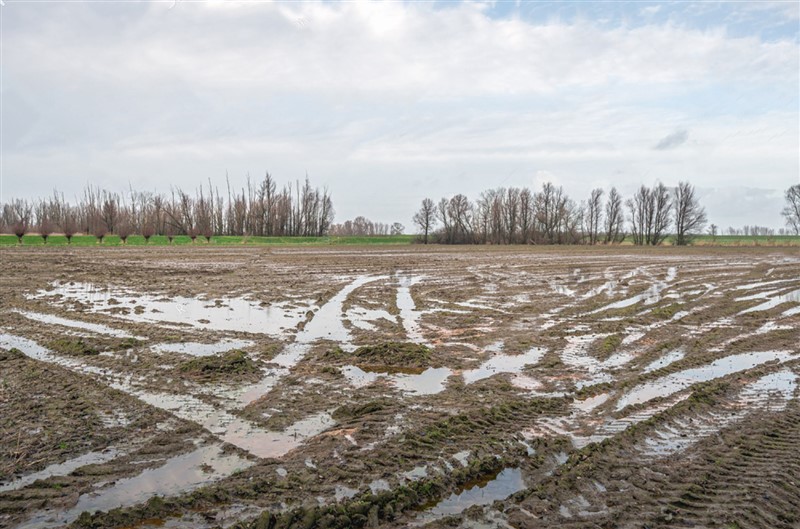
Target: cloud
x=670 y=141
x=368 y=96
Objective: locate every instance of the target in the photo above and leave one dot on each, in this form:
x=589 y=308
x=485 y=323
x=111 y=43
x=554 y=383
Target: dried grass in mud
x=395 y=387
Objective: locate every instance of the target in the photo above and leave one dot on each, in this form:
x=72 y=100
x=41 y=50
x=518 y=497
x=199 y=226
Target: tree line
x=259 y=208
x=549 y=216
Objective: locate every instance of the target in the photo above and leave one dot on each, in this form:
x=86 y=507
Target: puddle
x=790 y=297
x=179 y=474
x=379 y=485
x=63 y=469
x=202 y=349
x=343 y=493
x=429 y=382
x=362 y=317
x=228 y=427
x=96 y=328
x=651 y=296
x=770 y=393
x=591 y=403
x=481 y=492
x=409 y=315
x=504 y=363
x=415 y=473
x=224 y=314
x=675 y=382
x=664 y=361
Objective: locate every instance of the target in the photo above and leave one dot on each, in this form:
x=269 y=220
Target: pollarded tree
x=19 y=228
x=45 y=229
x=690 y=216
x=425 y=218
x=792 y=209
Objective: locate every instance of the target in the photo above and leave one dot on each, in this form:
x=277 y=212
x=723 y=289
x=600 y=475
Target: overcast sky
x=388 y=103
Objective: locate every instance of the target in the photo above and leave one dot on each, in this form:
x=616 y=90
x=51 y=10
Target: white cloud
x=369 y=96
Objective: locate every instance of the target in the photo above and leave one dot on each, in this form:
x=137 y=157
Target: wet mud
x=396 y=387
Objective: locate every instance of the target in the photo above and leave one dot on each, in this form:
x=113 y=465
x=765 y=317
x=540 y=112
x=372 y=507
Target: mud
x=390 y=387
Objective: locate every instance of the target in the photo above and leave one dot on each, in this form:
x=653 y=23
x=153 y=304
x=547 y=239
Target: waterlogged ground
x=396 y=387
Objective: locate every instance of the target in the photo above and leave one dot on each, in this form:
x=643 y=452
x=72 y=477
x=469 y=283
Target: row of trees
x=260 y=208
x=549 y=216
x=363 y=227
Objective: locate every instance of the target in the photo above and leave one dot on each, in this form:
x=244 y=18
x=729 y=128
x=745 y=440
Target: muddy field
x=395 y=387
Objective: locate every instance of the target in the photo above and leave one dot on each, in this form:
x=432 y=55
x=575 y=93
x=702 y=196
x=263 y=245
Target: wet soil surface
x=396 y=387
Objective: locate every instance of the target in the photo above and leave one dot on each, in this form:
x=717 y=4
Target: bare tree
x=100 y=231
x=792 y=209
x=19 y=228
x=148 y=230
x=690 y=217
x=124 y=230
x=425 y=218
x=45 y=229
x=70 y=227
x=614 y=217
x=594 y=212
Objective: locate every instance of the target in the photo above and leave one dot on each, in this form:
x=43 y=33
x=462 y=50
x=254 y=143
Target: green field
x=160 y=240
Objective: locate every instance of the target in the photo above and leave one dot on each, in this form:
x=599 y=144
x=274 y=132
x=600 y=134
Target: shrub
x=100 y=232
x=124 y=231
x=45 y=229
x=148 y=231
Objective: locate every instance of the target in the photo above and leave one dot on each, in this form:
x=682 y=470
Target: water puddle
x=770 y=393
x=96 y=328
x=224 y=314
x=344 y=493
x=202 y=349
x=664 y=361
x=228 y=427
x=790 y=297
x=363 y=318
x=651 y=296
x=504 y=363
x=179 y=474
x=63 y=469
x=676 y=382
x=484 y=491
x=426 y=382
x=409 y=315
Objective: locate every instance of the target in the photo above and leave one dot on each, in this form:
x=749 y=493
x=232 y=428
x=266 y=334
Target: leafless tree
x=650 y=215
x=169 y=232
x=124 y=230
x=19 y=228
x=45 y=229
x=100 y=231
x=148 y=230
x=792 y=209
x=690 y=217
x=594 y=212
x=425 y=218
x=70 y=227
x=614 y=217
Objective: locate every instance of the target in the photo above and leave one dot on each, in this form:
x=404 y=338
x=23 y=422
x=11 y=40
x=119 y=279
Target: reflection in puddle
x=790 y=297
x=671 y=384
x=664 y=361
x=480 y=492
x=179 y=474
x=504 y=363
x=409 y=314
x=201 y=349
x=96 y=328
x=650 y=296
x=230 y=428
x=63 y=469
x=428 y=382
x=770 y=393
x=225 y=314
x=362 y=317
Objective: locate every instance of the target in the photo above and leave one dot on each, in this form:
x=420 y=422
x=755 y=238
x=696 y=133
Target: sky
x=388 y=103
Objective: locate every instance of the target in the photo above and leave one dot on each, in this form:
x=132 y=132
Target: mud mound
x=234 y=363
x=396 y=354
